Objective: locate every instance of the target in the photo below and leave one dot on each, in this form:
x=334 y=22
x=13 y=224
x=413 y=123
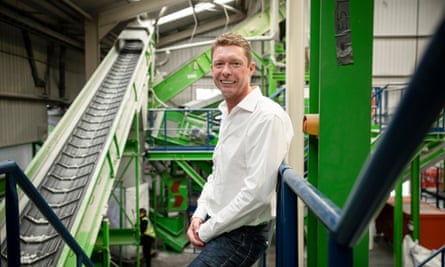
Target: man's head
x=142 y=212
x=233 y=38
x=232 y=67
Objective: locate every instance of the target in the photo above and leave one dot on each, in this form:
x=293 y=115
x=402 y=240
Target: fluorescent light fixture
x=200 y=7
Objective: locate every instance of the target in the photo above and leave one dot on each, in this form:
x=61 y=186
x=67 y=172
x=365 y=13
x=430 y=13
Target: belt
x=264 y=226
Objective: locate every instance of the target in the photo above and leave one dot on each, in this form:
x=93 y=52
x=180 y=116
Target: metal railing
x=15 y=176
x=433 y=255
x=385 y=100
x=422 y=103
x=183 y=128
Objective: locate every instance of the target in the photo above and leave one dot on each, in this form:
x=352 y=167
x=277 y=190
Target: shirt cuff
x=204 y=233
x=200 y=214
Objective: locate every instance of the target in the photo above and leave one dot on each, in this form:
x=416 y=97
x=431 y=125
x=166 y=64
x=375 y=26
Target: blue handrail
x=422 y=103
x=14 y=175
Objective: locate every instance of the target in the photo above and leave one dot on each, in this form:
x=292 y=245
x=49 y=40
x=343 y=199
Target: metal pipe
x=207 y=43
x=295 y=81
x=25 y=23
x=326 y=211
x=34 y=98
x=422 y=103
x=12 y=223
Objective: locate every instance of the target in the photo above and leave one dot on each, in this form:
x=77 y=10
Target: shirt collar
x=248 y=103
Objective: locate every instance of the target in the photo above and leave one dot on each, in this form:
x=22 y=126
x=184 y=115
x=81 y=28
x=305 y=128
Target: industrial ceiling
x=64 y=20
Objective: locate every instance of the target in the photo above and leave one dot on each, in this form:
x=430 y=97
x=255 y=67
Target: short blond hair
x=233 y=38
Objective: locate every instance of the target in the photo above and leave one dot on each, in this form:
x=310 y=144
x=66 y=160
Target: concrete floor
x=381 y=255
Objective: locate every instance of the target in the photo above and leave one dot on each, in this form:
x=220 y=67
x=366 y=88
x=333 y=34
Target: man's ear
x=252 y=67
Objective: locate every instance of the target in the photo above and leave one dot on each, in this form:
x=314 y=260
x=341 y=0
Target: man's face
x=231 y=72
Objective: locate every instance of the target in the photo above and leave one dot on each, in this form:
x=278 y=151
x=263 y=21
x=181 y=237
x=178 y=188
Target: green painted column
x=341 y=94
x=415 y=197
x=312 y=238
x=398 y=225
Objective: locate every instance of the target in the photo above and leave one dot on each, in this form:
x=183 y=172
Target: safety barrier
x=183 y=129
x=15 y=176
x=422 y=103
x=385 y=98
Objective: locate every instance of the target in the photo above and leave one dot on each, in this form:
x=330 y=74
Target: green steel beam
x=191 y=172
x=179 y=155
x=415 y=197
x=435 y=152
x=183 y=78
x=171 y=230
x=312 y=222
x=398 y=225
x=117 y=237
x=176 y=242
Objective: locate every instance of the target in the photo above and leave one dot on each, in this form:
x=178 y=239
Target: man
x=147 y=235
x=236 y=205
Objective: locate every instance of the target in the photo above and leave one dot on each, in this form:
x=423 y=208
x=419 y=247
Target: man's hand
x=193 y=233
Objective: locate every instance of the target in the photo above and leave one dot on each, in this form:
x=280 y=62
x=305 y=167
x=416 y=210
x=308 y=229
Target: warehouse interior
x=107 y=106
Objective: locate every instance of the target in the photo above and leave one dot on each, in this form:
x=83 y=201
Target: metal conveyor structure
x=74 y=170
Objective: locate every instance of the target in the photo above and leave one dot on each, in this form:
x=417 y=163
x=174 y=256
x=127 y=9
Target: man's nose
x=226 y=69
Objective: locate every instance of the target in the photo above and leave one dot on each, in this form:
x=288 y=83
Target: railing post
x=12 y=223
x=287 y=236
x=14 y=175
x=339 y=255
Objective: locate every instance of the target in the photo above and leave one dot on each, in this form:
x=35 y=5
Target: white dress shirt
x=253 y=141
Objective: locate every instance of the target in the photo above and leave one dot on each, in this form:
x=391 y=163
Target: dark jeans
x=238 y=248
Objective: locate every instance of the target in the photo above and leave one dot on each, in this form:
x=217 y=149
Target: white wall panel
x=430 y=13
x=402 y=30
x=26 y=122
x=395 y=17
x=394 y=57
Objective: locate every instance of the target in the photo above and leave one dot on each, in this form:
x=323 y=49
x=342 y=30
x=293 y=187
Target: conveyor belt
x=66 y=181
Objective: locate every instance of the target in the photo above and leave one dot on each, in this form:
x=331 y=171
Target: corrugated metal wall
x=402 y=29
x=23 y=105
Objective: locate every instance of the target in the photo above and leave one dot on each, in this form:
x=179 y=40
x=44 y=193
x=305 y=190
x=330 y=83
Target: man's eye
x=235 y=64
